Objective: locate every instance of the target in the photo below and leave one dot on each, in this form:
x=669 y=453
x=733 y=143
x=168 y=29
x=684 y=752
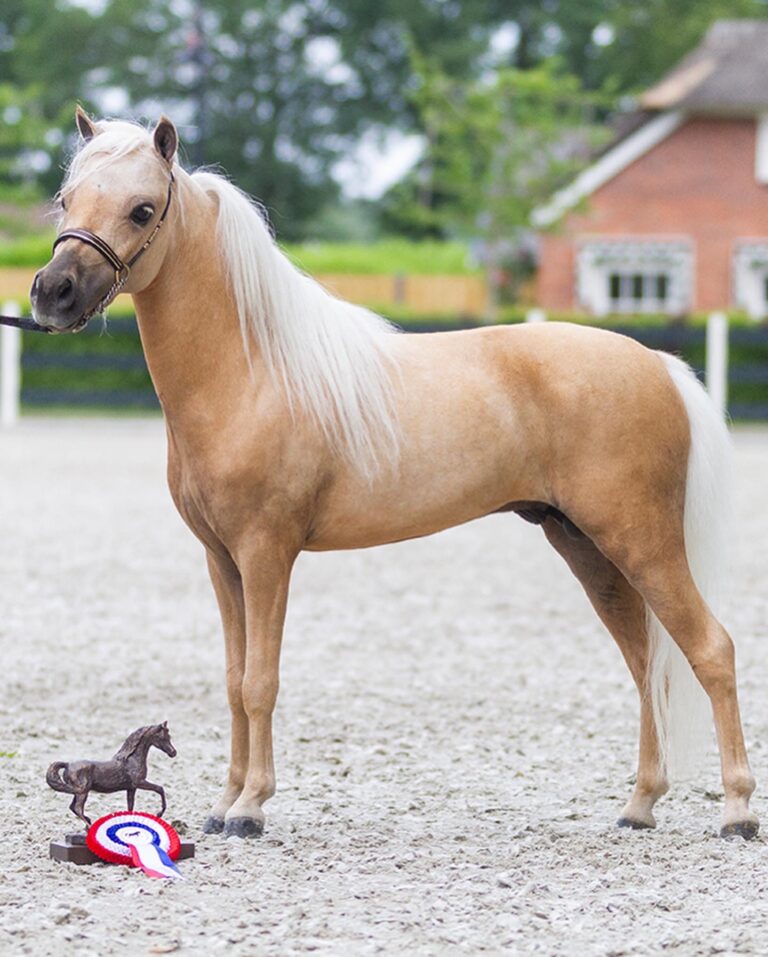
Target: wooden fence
x=421 y=295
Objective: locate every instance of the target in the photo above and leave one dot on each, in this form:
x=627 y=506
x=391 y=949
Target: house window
x=750 y=277
x=638 y=292
x=635 y=276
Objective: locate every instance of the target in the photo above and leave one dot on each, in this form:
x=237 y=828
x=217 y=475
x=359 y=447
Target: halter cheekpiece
x=122 y=269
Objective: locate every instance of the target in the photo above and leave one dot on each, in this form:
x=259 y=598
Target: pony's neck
x=135 y=742
x=188 y=323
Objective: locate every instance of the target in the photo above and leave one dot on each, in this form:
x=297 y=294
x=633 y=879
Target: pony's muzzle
x=63 y=290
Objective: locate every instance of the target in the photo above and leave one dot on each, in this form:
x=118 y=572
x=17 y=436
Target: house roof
x=610 y=164
x=726 y=73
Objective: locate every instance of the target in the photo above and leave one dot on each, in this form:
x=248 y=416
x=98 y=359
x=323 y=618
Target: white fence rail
x=10 y=369
x=717 y=360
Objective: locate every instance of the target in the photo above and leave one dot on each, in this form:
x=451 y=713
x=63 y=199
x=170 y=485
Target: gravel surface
x=455 y=736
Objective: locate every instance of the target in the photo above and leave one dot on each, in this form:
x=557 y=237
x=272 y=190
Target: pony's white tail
x=681 y=709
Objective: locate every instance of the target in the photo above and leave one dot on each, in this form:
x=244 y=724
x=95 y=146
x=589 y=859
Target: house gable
x=725 y=76
x=609 y=165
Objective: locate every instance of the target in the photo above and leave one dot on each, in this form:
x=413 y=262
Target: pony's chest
x=210 y=500
x=195 y=507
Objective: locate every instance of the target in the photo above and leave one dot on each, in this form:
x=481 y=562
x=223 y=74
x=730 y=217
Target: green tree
x=277 y=92
x=619 y=45
x=495 y=150
x=45 y=49
x=643 y=41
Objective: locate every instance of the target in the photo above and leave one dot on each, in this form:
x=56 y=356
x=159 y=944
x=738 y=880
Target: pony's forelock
x=115 y=139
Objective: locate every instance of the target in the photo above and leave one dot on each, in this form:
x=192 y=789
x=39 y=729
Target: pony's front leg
x=266 y=574
x=148 y=786
x=228 y=587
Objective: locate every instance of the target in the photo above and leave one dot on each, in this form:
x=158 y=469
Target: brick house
x=673 y=217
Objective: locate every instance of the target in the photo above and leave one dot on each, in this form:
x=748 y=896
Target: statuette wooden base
x=74 y=850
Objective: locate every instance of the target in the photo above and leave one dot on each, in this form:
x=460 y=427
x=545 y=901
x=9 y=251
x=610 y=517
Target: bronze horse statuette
x=126 y=771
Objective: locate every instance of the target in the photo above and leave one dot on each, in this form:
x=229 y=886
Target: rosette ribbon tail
x=152 y=859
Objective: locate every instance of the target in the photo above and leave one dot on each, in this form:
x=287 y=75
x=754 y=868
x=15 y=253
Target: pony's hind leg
x=78 y=806
x=672 y=595
x=623 y=612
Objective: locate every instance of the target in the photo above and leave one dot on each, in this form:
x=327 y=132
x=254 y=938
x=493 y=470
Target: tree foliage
x=496 y=148
x=278 y=91
x=274 y=92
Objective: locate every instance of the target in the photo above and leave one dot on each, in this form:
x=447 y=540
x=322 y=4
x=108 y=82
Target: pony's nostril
x=66 y=291
x=35 y=286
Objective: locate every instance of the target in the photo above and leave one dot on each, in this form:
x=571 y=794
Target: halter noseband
x=122 y=269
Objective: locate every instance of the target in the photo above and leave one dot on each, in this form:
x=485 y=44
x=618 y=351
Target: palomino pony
x=297 y=421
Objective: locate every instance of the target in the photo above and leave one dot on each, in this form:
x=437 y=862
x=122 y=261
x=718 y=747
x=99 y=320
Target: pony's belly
x=455 y=467
x=385 y=521
x=111 y=787
x=365 y=535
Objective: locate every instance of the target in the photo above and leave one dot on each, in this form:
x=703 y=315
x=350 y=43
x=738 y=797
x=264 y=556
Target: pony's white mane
x=331 y=358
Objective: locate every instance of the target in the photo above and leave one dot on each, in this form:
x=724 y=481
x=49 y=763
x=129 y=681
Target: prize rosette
x=138 y=840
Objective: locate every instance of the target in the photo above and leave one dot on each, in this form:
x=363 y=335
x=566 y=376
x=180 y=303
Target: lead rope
x=29 y=325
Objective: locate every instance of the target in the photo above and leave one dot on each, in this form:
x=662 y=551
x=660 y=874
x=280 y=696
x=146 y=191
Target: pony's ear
x=165 y=725
x=85 y=125
x=166 y=139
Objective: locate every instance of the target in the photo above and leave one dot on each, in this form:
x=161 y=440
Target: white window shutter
x=761 y=150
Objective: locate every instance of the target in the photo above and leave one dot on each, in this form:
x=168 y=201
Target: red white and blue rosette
x=138 y=840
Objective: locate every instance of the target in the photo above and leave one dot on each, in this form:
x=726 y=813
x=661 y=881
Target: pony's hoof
x=243 y=827
x=634 y=825
x=745 y=829
x=213 y=825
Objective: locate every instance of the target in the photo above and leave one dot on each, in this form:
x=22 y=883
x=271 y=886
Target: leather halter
x=122 y=269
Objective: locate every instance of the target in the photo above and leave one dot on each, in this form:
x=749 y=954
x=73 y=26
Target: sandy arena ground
x=455 y=736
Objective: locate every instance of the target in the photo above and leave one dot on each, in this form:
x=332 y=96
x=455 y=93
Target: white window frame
x=761 y=149
x=600 y=257
x=750 y=273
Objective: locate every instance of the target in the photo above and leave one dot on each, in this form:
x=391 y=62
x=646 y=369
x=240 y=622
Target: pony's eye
x=141 y=215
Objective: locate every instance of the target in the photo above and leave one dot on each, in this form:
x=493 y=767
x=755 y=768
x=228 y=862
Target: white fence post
x=717 y=360
x=535 y=315
x=10 y=368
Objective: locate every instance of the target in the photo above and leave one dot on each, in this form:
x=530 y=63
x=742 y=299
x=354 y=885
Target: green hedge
x=31 y=251
x=119 y=339
x=386 y=256
x=748 y=349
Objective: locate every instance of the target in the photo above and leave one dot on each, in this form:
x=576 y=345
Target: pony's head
x=117 y=193
x=160 y=737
